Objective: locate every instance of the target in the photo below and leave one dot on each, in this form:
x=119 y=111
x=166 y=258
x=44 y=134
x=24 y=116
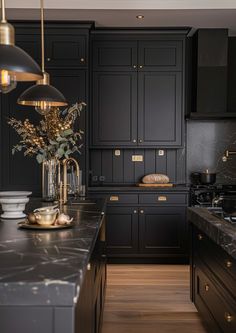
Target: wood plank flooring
x=149 y=299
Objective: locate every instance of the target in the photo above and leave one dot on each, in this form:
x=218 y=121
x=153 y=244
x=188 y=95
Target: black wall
x=206 y=144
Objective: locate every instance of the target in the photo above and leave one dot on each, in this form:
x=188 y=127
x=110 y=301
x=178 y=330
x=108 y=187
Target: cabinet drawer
x=163 y=199
x=218 y=261
x=114 y=199
x=223 y=311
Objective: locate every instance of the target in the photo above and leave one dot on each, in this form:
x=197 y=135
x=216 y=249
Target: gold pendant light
x=15 y=64
x=42 y=96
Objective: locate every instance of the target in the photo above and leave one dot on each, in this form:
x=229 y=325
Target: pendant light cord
x=42 y=33
x=3 y=20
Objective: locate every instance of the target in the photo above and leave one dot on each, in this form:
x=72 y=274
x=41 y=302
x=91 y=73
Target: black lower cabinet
x=146 y=234
x=122 y=230
x=213 y=275
x=162 y=231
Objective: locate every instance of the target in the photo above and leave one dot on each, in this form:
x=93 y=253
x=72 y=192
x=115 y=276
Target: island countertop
x=48 y=267
x=220 y=231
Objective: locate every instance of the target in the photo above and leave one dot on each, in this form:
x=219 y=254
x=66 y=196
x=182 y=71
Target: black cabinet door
x=73 y=84
x=160 y=109
x=114 y=109
x=18 y=172
x=65 y=50
x=121 y=230
x=162 y=231
x=114 y=55
x=160 y=55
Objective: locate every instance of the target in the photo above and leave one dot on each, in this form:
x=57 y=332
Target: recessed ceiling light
x=139 y=17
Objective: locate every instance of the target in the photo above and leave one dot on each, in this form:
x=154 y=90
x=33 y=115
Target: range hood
x=211 y=76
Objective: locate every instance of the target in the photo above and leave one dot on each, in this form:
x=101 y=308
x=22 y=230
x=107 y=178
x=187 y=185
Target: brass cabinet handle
x=114 y=198
x=162 y=198
x=140 y=66
x=134 y=141
x=207 y=287
x=228 y=263
x=228 y=317
x=141 y=211
x=134 y=66
x=200 y=237
x=82 y=60
x=135 y=211
x=89 y=267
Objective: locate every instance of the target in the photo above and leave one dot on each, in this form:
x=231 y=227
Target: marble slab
x=47 y=267
x=220 y=231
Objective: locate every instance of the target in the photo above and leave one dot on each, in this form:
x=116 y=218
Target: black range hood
x=211 y=75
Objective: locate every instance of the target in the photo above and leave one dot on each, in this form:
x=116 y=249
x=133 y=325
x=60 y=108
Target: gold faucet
x=63 y=193
x=227 y=154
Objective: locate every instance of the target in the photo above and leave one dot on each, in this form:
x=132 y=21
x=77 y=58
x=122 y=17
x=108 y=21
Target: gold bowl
x=46 y=217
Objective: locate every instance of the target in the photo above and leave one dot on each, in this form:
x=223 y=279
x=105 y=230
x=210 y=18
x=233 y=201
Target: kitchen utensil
x=208 y=178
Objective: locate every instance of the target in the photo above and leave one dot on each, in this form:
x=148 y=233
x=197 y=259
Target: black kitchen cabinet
x=146 y=227
x=122 y=230
x=137 y=93
x=213 y=277
x=160 y=109
x=162 y=231
x=115 y=100
x=67 y=73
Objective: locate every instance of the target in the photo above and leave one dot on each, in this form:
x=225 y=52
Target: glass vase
x=50 y=169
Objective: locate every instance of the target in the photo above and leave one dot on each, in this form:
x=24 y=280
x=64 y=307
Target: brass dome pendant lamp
x=15 y=64
x=42 y=96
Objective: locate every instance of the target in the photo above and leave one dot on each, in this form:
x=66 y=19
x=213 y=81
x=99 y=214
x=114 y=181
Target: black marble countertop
x=135 y=188
x=47 y=267
x=220 y=231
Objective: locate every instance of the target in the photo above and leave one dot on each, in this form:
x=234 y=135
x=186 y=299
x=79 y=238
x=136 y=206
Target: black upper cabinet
x=160 y=55
x=137 y=92
x=115 y=108
x=114 y=55
x=159 y=108
x=66 y=50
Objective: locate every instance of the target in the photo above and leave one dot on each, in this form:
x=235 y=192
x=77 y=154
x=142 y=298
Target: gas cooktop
x=220 y=214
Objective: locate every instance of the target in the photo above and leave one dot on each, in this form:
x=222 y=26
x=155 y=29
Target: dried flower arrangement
x=53 y=137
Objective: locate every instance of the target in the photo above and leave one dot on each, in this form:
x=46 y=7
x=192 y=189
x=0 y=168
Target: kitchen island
x=213 y=269
x=54 y=281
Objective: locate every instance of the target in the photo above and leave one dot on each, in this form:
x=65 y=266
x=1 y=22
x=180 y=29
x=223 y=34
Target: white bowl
x=13 y=204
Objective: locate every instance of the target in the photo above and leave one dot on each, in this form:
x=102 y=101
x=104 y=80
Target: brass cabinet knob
x=140 y=66
x=82 y=60
x=200 y=237
x=48 y=59
x=228 y=317
x=134 y=140
x=141 y=211
x=134 y=66
x=207 y=287
x=89 y=267
x=135 y=211
x=140 y=140
x=228 y=263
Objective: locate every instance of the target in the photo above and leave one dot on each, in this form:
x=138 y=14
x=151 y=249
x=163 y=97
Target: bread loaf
x=155 y=178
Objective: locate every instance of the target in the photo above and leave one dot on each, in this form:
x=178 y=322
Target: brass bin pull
x=200 y=237
x=228 y=263
x=228 y=317
x=162 y=198
x=207 y=288
x=114 y=198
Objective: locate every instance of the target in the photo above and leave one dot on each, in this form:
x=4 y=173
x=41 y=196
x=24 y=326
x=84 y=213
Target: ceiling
x=122 y=13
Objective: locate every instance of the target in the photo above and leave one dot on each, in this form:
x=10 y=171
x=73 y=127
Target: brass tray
x=26 y=225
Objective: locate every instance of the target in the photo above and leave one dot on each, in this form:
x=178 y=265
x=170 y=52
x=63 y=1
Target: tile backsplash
x=206 y=143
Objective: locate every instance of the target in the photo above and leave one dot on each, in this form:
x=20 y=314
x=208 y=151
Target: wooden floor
x=149 y=299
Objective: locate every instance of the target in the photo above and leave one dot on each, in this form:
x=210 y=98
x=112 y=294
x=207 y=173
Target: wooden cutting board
x=155 y=185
